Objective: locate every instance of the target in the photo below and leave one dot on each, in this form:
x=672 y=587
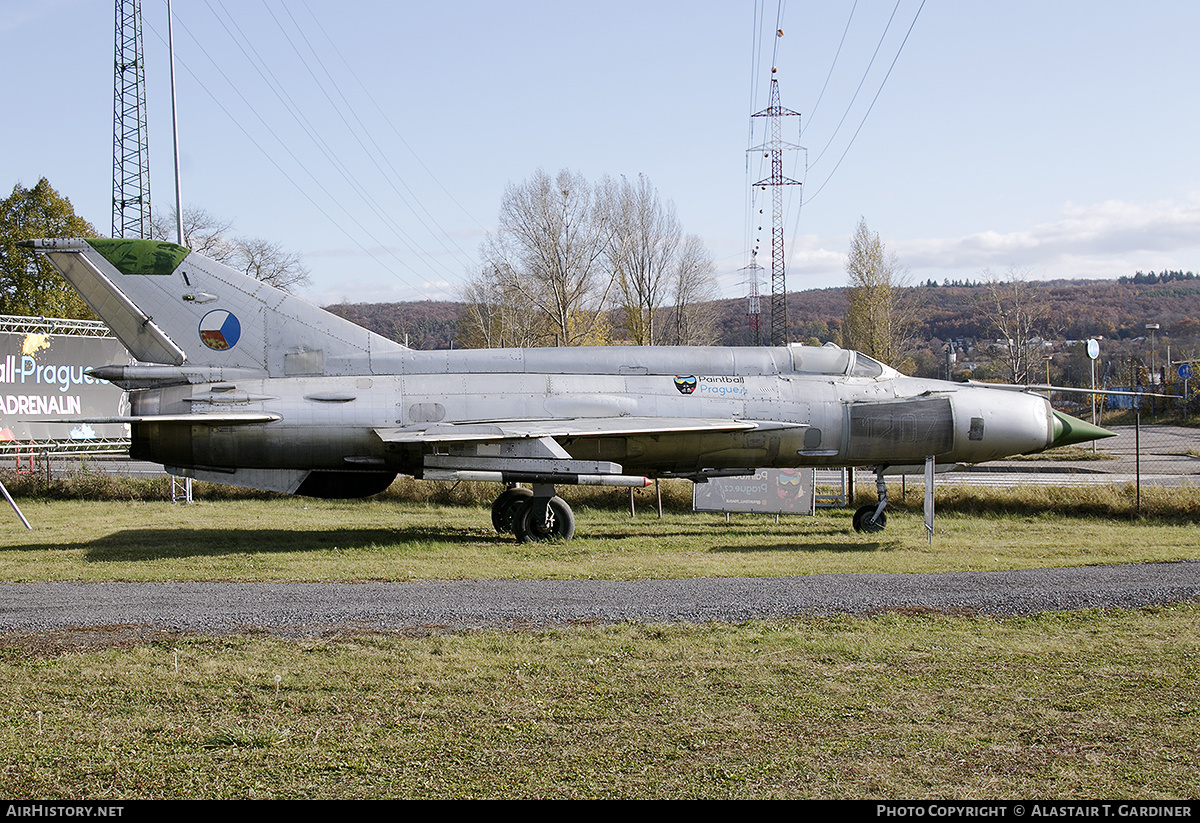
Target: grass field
x=1065 y=705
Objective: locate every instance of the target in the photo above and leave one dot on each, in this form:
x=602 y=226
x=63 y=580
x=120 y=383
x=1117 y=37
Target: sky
x=1051 y=138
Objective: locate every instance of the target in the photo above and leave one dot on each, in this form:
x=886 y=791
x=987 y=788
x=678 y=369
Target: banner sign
x=768 y=491
x=43 y=378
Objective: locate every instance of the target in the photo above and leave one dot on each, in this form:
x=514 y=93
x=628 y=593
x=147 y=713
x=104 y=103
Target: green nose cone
x=1070 y=430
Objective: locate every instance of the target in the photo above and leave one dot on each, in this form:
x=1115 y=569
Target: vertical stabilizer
x=168 y=305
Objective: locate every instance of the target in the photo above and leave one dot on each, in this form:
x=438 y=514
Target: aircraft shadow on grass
x=159 y=544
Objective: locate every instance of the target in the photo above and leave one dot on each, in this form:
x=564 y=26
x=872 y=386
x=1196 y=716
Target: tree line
x=1164 y=277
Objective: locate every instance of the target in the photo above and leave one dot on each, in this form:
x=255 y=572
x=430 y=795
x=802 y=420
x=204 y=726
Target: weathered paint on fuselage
x=843 y=409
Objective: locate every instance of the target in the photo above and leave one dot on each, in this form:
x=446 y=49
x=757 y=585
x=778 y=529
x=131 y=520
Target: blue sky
x=376 y=138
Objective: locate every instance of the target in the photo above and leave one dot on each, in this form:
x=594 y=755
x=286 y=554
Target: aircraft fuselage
x=801 y=418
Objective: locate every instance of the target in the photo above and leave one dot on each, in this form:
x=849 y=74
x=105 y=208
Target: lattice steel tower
x=753 y=301
x=775 y=148
x=131 y=145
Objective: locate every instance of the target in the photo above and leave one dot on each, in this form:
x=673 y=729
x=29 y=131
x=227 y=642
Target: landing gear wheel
x=504 y=510
x=544 y=518
x=865 y=520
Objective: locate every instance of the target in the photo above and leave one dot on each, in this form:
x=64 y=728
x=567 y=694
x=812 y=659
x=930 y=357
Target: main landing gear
x=872 y=518
x=533 y=514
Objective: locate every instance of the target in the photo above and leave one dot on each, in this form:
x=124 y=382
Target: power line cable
x=274 y=162
x=873 y=100
x=439 y=235
x=863 y=80
x=281 y=93
x=812 y=113
x=383 y=113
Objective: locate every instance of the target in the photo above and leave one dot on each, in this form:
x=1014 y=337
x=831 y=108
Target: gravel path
x=316 y=608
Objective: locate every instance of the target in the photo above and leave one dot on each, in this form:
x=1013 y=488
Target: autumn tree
x=29 y=285
x=570 y=261
x=879 y=323
x=693 y=318
x=641 y=255
x=497 y=315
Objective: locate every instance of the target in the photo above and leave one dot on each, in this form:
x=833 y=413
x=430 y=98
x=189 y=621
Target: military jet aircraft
x=240 y=383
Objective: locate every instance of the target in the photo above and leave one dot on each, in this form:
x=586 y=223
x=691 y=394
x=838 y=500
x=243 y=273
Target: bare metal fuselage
x=808 y=407
x=240 y=383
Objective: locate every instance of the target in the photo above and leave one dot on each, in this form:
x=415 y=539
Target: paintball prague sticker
x=220 y=330
x=686 y=385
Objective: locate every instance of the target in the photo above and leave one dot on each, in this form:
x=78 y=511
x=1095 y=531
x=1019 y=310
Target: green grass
x=1057 y=706
x=900 y=705
x=293 y=539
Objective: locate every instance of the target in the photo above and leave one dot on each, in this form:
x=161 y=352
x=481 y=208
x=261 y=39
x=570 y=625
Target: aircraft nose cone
x=1070 y=430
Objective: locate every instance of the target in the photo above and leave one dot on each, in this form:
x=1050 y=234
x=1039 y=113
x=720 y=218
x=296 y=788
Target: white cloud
x=1099 y=240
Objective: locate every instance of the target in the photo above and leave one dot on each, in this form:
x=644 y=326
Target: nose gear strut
x=872 y=518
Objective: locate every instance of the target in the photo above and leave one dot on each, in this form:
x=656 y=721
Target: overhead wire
x=811 y=116
x=364 y=192
x=862 y=80
x=254 y=141
x=872 y=106
x=386 y=118
x=832 y=65
x=382 y=253
x=280 y=90
x=411 y=200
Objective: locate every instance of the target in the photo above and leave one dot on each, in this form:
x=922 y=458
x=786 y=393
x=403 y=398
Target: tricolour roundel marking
x=220 y=330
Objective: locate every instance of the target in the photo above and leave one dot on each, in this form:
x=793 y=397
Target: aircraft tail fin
x=168 y=305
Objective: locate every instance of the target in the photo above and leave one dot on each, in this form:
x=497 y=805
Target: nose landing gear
x=869 y=518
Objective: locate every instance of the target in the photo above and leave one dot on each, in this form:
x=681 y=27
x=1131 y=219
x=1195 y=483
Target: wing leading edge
x=577 y=427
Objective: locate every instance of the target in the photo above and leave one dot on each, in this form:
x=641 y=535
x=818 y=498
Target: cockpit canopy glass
x=866 y=367
x=820 y=360
x=829 y=359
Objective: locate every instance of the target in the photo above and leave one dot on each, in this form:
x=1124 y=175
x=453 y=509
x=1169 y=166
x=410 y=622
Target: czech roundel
x=220 y=330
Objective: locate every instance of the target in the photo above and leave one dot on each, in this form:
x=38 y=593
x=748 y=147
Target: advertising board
x=768 y=491
x=43 y=378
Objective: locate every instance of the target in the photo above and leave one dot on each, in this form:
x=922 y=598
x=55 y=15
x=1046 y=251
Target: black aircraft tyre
x=540 y=518
x=864 y=520
x=504 y=510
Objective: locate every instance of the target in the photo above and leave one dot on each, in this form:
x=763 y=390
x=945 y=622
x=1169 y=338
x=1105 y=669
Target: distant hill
x=425 y=324
x=1081 y=308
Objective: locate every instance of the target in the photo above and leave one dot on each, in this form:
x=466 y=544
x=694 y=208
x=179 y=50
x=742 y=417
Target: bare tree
x=643 y=251
x=261 y=259
x=877 y=324
x=270 y=263
x=498 y=315
x=548 y=251
x=203 y=232
x=693 y=319
x=563 y=247
x=1019 y=321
